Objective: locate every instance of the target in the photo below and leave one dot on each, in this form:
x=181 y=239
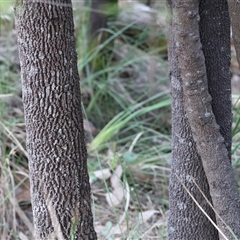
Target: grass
x=126 y=110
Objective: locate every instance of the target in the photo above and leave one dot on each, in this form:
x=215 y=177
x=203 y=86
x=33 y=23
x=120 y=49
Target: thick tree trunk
x=186 y=220
x=206 y=132
x=60 y=186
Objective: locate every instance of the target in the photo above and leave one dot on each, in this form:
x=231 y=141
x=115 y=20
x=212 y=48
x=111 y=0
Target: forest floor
x=127 y=122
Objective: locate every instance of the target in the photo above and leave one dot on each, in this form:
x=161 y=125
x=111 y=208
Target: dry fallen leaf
x=102 y=174
x=22 y=236
x=115 y=197
x=89 y=127
x=146 y=215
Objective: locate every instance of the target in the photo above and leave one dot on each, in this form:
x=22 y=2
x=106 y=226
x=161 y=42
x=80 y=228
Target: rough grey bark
x=60 y=188
x=214 y=27
x=205 y=130
x=186 y=220
x=234 y=10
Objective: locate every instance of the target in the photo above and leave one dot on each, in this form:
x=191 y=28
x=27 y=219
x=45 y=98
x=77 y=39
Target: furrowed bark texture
x=234 y=10
x=60 y=186
x=206 y=132
x=214 y=26
x=186 y=220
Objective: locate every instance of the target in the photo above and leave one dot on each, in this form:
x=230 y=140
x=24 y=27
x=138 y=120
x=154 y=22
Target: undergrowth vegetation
x=127 y=122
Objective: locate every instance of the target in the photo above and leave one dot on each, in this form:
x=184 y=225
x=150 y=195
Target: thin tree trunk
x=234 y=10
x=214 y=27
x=98 y=19
x=60 y=188
x=186 y=220
x=101 y=13
x=206 y=132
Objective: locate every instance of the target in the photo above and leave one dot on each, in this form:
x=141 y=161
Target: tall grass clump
x=128 y=102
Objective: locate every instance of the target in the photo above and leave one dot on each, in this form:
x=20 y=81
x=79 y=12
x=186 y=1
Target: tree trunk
x=60 y=188
x=101 y=12
x=186 y=220
x=98 y=18
x=214 y=27
x=234 y=10
x=206 y=132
